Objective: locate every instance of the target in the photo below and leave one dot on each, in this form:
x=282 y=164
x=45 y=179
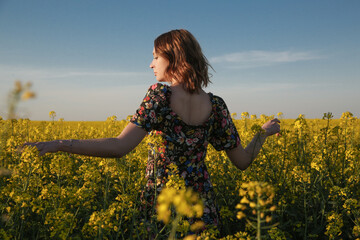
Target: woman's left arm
x=243 y=157
x=129 y=138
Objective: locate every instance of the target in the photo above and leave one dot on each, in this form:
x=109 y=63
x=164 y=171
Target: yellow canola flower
x=356 y=231
x=164 y=213
x=244 y=115
x=240 y=206
x=197 y=226
x=52 y=114
x=262 y=202
x=240 y=215
x=199 y=209
x=244 y=200
x=190 y=237
x=28 y=95
x=315 y=165
x=186 y=202
x=242 y=192
x=347 y=115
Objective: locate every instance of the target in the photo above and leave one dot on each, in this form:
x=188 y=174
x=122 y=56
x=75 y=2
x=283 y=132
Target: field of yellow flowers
x=303 y=185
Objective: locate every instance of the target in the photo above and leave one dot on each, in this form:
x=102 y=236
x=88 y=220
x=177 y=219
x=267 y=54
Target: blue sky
x=89 y=60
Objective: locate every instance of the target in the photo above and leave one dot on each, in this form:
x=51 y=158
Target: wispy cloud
x=251 y=59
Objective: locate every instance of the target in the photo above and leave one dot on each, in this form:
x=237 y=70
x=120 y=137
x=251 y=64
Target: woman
x=186 y=118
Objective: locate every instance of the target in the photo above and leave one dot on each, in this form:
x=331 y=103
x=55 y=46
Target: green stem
x=258 y=228
x=174 y=224
x=72 y=222
x=305 y=212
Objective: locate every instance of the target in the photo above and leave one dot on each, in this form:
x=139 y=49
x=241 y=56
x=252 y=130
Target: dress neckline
x=174 y=114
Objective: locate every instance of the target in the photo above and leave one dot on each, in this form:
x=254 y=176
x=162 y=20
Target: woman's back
x=186 y=123
x=194 y=109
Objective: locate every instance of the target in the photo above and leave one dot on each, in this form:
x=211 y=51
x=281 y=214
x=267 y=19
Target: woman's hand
x=45 y=147
x=271 y=127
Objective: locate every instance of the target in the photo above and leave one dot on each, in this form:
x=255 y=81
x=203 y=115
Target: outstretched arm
x=242 y=158
x=129 y=138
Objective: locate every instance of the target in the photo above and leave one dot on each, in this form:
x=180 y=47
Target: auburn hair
x=187 y=63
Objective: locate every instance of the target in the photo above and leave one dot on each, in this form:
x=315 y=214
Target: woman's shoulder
x=159 y=88
x=158 y=92
x=217 y=100
x=219 y=106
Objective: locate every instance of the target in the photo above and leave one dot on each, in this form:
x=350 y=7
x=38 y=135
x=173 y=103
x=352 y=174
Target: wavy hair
x=187 y=63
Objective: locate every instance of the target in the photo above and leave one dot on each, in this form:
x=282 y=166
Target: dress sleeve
x=149 y=115
x=224 y=135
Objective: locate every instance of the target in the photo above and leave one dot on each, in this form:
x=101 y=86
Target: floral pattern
x=184 y=145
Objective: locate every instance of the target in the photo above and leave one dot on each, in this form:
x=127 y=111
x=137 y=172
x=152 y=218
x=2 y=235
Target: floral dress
x=184 y=145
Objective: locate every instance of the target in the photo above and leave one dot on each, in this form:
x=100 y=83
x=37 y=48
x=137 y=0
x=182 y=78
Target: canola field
x=303 y=185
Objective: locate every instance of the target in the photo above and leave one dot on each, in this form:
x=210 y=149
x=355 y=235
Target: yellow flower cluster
x=25 y=90
x=186 y=202
x=244 y=115
x=335 y=223
x=301 y=175
x=256 y=204
x=300 y=125
x=174 y=181
x=352 y=208
x=20 y=92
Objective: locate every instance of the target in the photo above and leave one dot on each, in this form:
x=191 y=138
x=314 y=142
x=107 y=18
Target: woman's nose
x=152 y=64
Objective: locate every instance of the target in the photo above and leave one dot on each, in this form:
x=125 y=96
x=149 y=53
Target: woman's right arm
x=117 y=147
